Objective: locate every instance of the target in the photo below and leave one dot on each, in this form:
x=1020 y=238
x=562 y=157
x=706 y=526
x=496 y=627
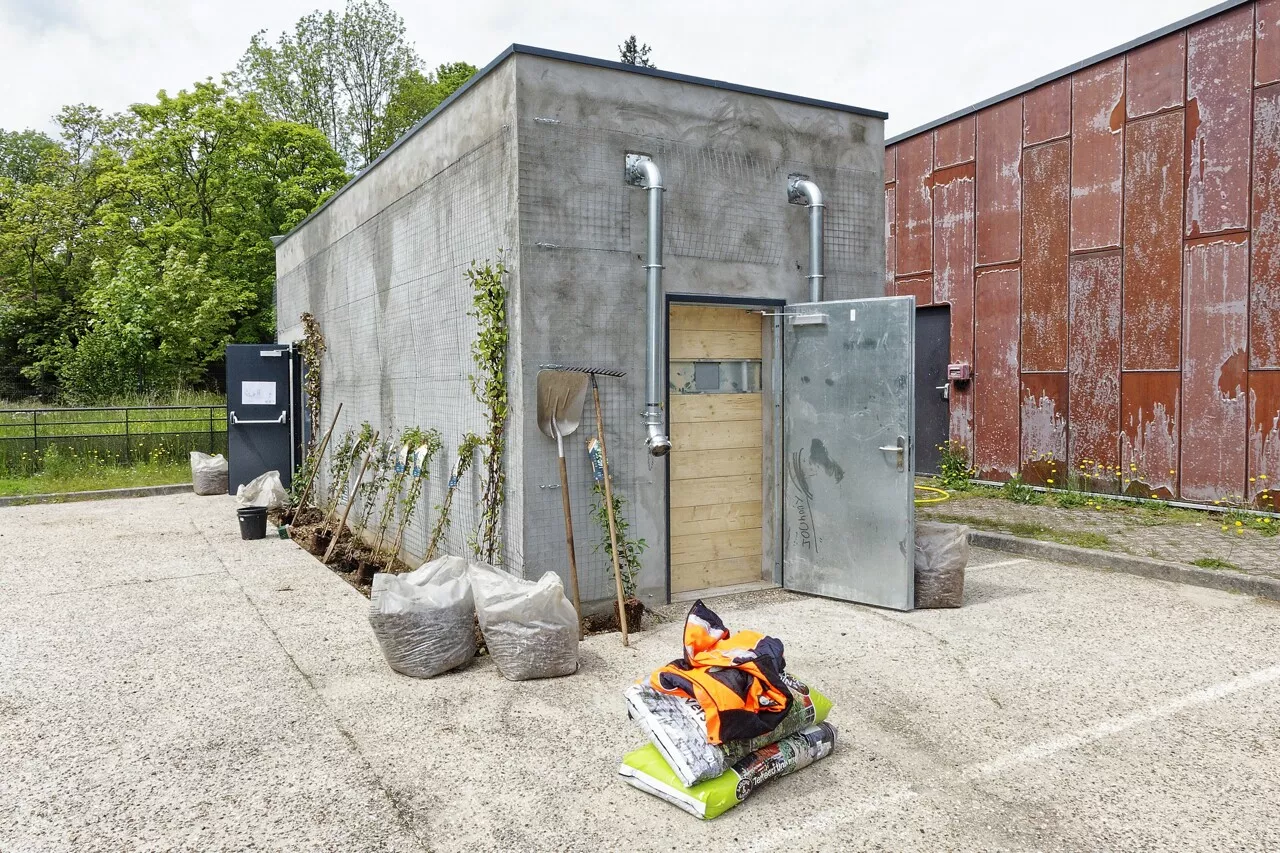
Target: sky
x=918 y=60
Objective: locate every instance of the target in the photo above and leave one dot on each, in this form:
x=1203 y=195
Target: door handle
x=946 y=391
x=901 y=449
x=279 y=420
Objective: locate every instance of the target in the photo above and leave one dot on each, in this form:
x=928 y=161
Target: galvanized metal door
x=262 y=409
x=848 y=421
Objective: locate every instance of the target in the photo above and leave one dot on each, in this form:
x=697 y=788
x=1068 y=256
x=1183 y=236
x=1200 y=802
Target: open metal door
x=848 y=417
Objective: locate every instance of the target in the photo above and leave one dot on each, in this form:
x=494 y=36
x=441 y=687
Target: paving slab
x=246 y=705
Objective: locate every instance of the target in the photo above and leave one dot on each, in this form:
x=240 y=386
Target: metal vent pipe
x=801 y=190
x=643 y=172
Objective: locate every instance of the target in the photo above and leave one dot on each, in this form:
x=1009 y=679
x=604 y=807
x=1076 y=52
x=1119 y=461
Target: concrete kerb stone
x=98 y=495
x=1225 y=580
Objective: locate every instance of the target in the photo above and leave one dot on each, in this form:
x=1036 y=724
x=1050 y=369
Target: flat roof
x=578 y=60
x=1071 y=69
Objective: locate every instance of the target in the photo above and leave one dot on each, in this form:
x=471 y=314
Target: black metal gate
x=933 y=391
x=264 y=424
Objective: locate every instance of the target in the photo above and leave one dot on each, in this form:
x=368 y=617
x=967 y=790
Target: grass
x=102 y=477
x=1214 y=563
x=1080 y=539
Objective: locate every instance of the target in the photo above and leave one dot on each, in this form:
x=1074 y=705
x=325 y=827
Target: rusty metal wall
x=1109 y=244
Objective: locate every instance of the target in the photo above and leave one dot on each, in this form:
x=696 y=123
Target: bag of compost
x=530 y=628
x=647 y=770
x=942 y=552
x=425 y=620
x=208 y=473
x=677 y=729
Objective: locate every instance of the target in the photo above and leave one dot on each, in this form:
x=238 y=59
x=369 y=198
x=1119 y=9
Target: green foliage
x=341 y=458
x=313 y=347
x=489 y=385
x=466 y=455
x=67 y=470
x=1214 y=563
x=632 y=53
x=629 y=550
x=954 y=470
x=415 y=95
x=381 y=462
x=1019 y=492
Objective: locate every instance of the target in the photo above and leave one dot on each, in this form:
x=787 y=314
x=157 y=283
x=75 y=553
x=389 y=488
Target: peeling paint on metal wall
x=1267 y=36
x=953 y=279
x=890 y=164
x=998 y=201
x=1216 y=281
x=921 y=288
x=1149 y=434
x=1264 y=336
x=1046 y=191
x=1219 y=113
x=1094 y=360
x=1264 y=439
x=914 y=201
x=1044 y=428
x=1153 y=243
x=1156 y=76
x=1097 y=155
x=953 y=143
x=1047 y=112
x=890 y=224
x=997 y=387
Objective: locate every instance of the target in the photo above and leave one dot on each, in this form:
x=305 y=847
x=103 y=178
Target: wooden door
x=717 y=441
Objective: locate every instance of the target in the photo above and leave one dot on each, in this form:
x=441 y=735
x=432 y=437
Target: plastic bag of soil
x=942 y=552
x=645 y=769
x=263 y=490
x=424 y=620
x=208 y=473
x=530 y=628
x=677 y=729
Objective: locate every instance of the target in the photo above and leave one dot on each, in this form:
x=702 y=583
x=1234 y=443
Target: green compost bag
x=646 y=769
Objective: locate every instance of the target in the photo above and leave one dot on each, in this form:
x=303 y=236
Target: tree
x=632 y=53
x=416 y=95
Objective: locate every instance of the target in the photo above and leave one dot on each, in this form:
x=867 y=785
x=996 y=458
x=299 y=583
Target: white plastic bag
x=942 y=552
x=531 y=629
x=208 y=473
x=263 y=490
x=425 y=620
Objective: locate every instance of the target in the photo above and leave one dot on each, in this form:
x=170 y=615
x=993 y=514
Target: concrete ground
x=167 y=686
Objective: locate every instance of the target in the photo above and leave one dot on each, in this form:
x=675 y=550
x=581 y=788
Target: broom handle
x=337 y=534
x=608 y=503
x=324 y=442
x=568 y=528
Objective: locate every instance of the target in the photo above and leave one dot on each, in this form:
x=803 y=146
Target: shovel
x=561 y=396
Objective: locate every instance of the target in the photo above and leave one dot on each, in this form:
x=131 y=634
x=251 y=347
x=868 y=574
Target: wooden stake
x=342 y=525
x=608 y=504
x=324 y=442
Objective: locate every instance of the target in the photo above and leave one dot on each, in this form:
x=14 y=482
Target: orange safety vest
x=736 y=678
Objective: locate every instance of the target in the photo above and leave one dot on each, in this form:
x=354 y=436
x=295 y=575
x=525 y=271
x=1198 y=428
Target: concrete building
x=531 y=159
x=1103 y=245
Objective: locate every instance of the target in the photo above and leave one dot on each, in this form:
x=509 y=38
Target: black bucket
x=253 y=522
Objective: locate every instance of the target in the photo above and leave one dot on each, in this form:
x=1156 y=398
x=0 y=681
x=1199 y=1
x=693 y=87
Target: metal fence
x=121 y=435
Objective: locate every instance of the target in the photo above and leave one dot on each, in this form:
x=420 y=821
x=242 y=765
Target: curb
x=99 y=495
x=1259 y=586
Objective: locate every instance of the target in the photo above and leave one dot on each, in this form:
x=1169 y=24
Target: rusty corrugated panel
x=1097 y=157
x=1047 y=112
x=1215 y=334
x=1156 y=78
x=999 y=192
x=1267 y=64
x=890 y=247
x=890 y=164
x=920 y=287
x=953 y=279
x=996 y=384
x=1264 y=337
x=1046 y=188
x=953 y=143
x=915 y=205
x=1219 y=114
x=1149 y=434
x=1153 y=243
x=1044 y=428
x=1264 y=439
x=1094 y=361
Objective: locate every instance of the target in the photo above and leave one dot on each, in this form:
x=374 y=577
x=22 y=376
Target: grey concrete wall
x=725 y=157
x=382 y=268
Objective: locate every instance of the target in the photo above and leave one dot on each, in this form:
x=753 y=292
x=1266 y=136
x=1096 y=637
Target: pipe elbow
x=645 y=173
x=806 y=192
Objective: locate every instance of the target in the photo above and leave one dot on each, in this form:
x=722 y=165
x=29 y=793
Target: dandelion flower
x=1224 y=528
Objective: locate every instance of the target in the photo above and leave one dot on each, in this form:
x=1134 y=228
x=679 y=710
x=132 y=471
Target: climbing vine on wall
x=489 y=385
x=312 y=349
x=466 y=453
